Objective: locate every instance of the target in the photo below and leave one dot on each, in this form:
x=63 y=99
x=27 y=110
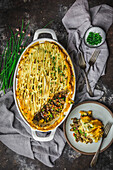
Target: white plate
x=96 y=30
x=101 y=112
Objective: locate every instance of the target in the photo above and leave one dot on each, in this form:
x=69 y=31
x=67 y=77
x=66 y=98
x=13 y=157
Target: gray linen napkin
x=16 y=135
x=76 y=21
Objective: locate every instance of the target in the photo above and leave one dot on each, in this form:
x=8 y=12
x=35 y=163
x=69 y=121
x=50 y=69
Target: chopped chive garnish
x=64 y=65
x=85 y=134
x=53 y=58
x=63 y=74
x=59 y=70
x=94 y=38
x=51 y=115
x=80 y=131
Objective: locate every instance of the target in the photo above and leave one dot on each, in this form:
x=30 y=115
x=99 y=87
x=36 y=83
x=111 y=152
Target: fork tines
x=107 y=128
x=94 y=57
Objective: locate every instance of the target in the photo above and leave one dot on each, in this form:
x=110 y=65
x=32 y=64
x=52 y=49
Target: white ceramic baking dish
x=41 y=40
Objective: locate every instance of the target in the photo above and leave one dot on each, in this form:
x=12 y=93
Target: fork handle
x=88 y=85
x=88 y=70
x=95 y=157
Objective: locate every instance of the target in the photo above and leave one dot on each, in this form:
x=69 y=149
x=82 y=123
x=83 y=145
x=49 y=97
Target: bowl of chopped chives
x=94 y=37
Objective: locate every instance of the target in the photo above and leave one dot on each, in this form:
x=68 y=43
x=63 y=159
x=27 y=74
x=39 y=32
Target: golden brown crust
x=27 y=93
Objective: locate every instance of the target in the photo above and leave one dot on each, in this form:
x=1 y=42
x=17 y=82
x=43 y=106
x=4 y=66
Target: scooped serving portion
x=45 y=85
x=87 y=129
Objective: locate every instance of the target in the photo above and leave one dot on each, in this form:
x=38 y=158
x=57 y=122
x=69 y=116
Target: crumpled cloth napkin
x=76 y=21
x=16 y=135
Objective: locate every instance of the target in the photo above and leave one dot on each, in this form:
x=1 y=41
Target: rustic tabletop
x=39 y=13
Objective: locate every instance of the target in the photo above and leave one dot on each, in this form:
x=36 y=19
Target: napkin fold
x=16 y=135
x=76 y=21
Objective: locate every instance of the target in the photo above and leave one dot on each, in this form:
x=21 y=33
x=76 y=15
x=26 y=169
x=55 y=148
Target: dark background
x=39 y=13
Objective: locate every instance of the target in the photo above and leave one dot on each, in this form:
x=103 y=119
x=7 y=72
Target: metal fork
x=91 y=63
x=93 y=59
x=82 y=65
x=106 y=131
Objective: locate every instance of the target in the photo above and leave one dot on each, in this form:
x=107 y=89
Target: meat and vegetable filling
x=50 y=111
x=78 y=134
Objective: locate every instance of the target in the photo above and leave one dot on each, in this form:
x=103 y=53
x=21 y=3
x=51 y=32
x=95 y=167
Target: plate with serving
x=84 y=126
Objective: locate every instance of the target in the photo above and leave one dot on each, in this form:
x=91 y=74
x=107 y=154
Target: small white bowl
x=95 y=30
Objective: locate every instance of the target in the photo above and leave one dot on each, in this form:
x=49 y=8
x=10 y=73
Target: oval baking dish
x=70 y=92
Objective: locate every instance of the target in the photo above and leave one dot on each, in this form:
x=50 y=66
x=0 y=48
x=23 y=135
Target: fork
x=106 y=131
x=91 y=63
x=82 y=65
x=93 y=59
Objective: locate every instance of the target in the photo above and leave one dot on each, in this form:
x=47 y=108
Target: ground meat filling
x=78 y=134
x=51 y=110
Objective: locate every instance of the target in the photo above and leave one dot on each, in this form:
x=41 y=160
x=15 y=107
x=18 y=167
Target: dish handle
x=43 y=139
x=44 y=30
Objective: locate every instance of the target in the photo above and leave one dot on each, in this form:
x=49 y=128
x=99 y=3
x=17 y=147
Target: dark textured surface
x=39 y=13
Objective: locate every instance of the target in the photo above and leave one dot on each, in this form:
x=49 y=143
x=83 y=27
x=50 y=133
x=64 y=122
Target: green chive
x=85 y=134
x=51 y=115
x=80 y=131
x=11 y=55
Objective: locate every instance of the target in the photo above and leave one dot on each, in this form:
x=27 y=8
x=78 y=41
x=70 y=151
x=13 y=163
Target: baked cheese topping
x=44 y=70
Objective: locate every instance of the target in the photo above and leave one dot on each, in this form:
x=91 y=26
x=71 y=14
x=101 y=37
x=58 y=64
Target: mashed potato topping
x=44 y=71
